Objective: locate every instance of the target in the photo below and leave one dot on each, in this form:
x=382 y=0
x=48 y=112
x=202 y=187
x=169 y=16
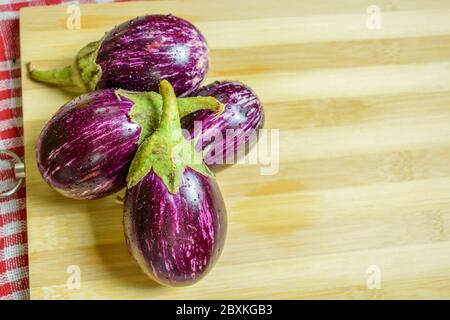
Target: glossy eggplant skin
x=85 y=150
x=138 y=54
x=175 y=238
x=243 y=113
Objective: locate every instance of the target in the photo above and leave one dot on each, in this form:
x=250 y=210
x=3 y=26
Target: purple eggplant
x=175 y=238
x=137 y=55
x=228 y=137
x=174 y=213
x=86 y=149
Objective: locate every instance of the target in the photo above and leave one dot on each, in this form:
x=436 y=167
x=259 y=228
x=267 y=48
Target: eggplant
x=136 y=56
x=228 y=137
x=174 y=214
x=85 y=150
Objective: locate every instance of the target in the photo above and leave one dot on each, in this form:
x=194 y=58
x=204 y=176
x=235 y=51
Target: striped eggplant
x=174 y=213
x=85 y=150
x=228 y=137
x=135 y=56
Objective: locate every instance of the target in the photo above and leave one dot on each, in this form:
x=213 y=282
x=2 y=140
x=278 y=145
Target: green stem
x=148 y=108
x=192 y=104
x=166 y=151
x=170 y=119
x=60 y=76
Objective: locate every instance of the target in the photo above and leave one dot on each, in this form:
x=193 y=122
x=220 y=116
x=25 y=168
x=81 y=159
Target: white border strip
x=12 y=206
x=14 y=251
x=21 y=295
x=13 y=228
x=13 y=83
x=9 y=15
x=9 y=123
x=11 y=103
x=11 y=143
x=17 y=274
x=9 y=65
x=14 y=1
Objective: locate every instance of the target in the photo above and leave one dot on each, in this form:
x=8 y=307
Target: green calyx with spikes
x=84 y=73
x=166 y=151
x=147 y=108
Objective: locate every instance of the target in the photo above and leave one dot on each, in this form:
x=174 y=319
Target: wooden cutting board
x=363 y=188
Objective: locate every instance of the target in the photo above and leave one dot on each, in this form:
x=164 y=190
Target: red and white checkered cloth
x=13 y=233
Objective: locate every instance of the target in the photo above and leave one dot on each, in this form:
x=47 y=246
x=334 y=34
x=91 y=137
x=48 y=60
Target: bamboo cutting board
x=360 y=206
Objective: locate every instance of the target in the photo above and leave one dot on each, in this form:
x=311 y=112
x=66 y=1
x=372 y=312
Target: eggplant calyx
x=84 y=73
x=166 y=151
x=148 y=108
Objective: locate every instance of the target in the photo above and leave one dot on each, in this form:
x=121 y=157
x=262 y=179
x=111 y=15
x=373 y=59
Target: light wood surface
x=364 y=174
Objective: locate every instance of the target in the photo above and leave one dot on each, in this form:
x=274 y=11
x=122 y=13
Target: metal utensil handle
x=19 y=173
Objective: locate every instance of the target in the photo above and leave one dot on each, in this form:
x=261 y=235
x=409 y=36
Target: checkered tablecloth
x=13 y=233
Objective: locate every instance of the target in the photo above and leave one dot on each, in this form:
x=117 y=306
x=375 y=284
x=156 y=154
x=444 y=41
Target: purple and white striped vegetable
x=229 y=136
x=175 y=238
x=174 y=213
x=86 y=149
x=137 y=55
